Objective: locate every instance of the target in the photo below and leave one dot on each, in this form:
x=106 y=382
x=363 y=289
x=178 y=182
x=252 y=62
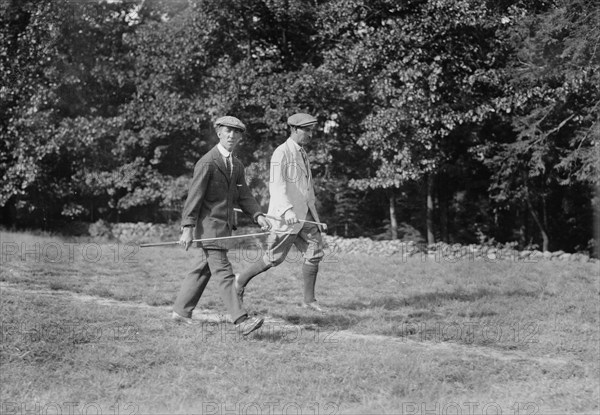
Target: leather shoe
x=180 y=319
x=238 y=290
x=313 y=306
x=250 y=324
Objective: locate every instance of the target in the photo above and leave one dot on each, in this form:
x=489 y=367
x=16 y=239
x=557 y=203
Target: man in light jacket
x=292 y=194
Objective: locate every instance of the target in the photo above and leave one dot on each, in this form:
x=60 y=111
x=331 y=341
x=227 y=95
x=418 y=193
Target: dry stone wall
x=148 y=232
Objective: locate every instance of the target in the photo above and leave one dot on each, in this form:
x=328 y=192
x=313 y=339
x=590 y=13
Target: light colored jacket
x=290 y=186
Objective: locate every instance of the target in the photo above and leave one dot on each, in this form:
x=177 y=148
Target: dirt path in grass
x=210 y=316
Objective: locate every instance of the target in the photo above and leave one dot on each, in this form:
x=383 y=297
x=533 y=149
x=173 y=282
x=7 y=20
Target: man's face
x=304 y=134
x=229 y=137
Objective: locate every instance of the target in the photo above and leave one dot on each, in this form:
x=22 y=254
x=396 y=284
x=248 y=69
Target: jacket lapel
x=218 y=160
x=304 y=159
x=235 y=169
x=299 y=160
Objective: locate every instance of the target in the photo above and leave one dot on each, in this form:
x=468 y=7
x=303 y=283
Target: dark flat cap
x=301 y=120
x=229 y=121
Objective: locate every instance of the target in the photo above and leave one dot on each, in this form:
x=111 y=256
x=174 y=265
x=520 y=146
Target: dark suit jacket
x=212 y=196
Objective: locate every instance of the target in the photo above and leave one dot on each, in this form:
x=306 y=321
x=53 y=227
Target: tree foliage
x=552 y=105
x=487 y=112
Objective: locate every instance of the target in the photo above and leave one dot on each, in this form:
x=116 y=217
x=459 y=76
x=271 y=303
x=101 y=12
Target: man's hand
x=186 y=237
x=265 y=225
x=289 y=217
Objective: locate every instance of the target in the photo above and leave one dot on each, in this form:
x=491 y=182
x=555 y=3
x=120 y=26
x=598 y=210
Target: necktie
x=228 y=164
x=305 y=158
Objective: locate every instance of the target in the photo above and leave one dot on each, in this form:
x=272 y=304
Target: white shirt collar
x=223 y=151
x=294 y=144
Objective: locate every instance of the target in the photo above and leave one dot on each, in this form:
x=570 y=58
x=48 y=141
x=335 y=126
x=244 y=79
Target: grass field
x=86 y=329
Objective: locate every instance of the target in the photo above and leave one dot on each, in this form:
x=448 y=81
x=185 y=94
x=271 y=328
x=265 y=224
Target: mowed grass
x=91 y=325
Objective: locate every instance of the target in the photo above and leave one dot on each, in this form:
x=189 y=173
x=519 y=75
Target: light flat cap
x=229 y=121
x=301 y=120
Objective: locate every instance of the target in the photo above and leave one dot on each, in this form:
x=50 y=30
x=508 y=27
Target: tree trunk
x=393 y=221
x=544 y=210
x=522 y=215
x=430 y=236
x=442 y=199
x=538 y=222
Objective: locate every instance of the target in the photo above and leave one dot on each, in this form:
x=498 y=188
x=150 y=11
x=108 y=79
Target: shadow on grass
x=448 y=334
x=427 y=300
x=271 y=336
x=424 y=314
x=416 y=316
x=159 y=301
x=330 y=320
x=59 y=286
x=101 y=292
x=477 y=314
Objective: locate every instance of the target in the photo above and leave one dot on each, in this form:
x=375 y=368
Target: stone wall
x=447 y=252
x=139 y=232
x=147 y=232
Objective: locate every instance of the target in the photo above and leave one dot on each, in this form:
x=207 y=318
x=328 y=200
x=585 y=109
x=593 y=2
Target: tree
x=485 y=114
x=552 y=104
x=61 y=62
x=425 y=68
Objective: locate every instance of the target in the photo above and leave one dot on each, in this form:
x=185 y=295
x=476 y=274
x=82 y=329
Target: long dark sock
x=309 y=273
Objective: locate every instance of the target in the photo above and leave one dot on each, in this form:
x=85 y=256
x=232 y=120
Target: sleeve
x=312 y=205
x=196 y=192
x=278 y=182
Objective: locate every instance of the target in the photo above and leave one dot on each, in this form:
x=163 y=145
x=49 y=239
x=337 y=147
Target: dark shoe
x=250 y=324
x=313 y=306
x=177 y=318
x=238 y=290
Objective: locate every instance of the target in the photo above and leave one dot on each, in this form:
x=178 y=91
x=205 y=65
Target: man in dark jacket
x=218 y=183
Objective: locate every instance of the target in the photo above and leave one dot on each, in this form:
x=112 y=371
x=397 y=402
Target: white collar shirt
x=302 y=152
x=225 y=154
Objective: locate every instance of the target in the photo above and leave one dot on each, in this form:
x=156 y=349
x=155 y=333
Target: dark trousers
x=214 y=262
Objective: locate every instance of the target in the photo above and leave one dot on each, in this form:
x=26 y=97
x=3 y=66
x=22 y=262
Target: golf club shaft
x=281 y=220
x=159 y=244
x=205 y=239
x=230 y=237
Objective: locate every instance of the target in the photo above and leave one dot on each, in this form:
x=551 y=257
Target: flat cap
x=301 y=120
x=229 y=121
